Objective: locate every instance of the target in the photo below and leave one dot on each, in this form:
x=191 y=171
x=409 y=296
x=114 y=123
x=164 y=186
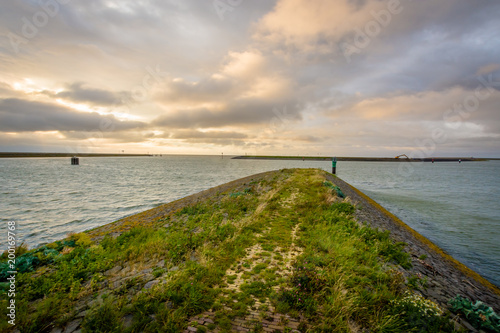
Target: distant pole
x=334 y=165
x=223 y=155
x=75 y=160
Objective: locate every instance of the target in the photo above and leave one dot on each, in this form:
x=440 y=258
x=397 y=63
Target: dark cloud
x=112 y=137
x=217 y=142
x=19 y=116
x=244 y=113
x=5 y=89
x=207 y=89
x=427 y=46
x=477 y=80
x=307 y=138
x=190 y=134
x=76 y=92
x=218 y=138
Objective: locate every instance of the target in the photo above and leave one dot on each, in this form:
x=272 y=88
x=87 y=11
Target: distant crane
x=401 y=155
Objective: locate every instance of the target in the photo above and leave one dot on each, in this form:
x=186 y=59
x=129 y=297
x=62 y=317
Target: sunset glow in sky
x=343 y=77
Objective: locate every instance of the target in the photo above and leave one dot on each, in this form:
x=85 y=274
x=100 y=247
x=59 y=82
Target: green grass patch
x=340 y=274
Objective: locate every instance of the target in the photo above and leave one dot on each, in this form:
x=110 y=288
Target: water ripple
x=454 y=205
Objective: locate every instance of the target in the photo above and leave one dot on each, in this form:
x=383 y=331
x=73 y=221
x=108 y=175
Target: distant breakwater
x=364 y=159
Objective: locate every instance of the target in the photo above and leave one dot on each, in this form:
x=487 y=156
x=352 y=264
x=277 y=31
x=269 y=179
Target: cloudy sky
x=327 y=77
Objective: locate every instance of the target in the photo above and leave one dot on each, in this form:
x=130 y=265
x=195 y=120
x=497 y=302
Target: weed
x=81 y=239
x=259 y=267
x=201 y=328
x=157 y=272
x=192 y=210
x=342 y=207
x=19 y=251
x=335 y=188
x=268 y=247
x=231 y=278
x=256 y=288
x=420 y=314
x=103 y=319
x=42 y=319
x=416 y=282
x=257 y=328
x=478 y=314
x=224 y=323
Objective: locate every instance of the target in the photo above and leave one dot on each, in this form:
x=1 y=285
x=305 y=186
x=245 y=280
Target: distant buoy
x=75 y=160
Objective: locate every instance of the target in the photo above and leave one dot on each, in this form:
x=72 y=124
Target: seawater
x=454 y=205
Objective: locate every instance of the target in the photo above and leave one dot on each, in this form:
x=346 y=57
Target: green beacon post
x=334 y=165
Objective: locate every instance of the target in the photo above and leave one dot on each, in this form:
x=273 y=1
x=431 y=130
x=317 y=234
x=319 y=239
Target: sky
x=285 y=77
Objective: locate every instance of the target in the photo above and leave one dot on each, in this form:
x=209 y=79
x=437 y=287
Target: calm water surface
x=454 y=205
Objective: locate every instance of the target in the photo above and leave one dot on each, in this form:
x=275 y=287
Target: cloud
x=487 y=69
x=244 y=91
x=5 y=89
x=76 y=92
x=242 y=75
x=93 y=137
x=244 y=64
x=408 y=122
x=206 y=90
x=307 y=138
x=420 y=46
x=193 y=134
x=241 y=112
x=313 y=26
x=430 y=106
x=298 y=21
x=18 y=115
x=272 y=75
x=219 y=138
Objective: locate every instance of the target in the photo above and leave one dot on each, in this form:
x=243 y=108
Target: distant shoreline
x=27 y=155
x=261 y=157
x=365 y=159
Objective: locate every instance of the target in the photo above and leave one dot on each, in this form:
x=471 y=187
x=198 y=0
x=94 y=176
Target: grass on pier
x=342 y=278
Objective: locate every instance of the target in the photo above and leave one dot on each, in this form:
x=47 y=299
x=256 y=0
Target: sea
x=455 y=205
